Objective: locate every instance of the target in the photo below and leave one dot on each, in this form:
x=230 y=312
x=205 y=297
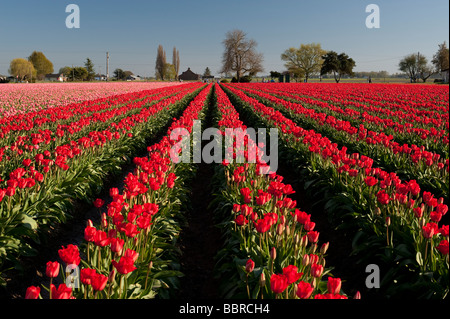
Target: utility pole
x=107 y=66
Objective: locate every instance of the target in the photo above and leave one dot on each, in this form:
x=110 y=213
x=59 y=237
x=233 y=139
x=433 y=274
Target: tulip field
x=367 y=162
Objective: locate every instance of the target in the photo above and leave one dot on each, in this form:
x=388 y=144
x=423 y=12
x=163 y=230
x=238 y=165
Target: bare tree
x=176 y=61
x=240 y=55
x=160 y=63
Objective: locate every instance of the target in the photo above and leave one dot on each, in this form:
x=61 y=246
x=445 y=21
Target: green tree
x=22 y=69
x=441 y=58
x=169 y=72
x=207 y=72
x=66 y=71
x=416 y=67
x=119 y=74
x=275 y=74
x=306 y=60
x=77 y=73
x=90 y=69
x=338 y=64
x=42 y=65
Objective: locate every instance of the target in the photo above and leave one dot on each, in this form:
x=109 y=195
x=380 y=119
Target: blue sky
x=132 y=30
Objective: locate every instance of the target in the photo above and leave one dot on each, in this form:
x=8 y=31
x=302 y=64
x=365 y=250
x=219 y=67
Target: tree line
x=240 y=57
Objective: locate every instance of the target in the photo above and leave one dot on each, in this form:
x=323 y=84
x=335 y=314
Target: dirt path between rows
x=200 y=241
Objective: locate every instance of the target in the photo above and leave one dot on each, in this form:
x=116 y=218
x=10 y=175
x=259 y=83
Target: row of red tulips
x=65 y=124
x=424 y=166
x=386 y=206
x=279 y=255
x=410 y=127
x=128 y=255
x=425 y=98
x=42 y=191
x=375 y=119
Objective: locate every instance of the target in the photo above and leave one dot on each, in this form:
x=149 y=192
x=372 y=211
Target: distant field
x=374 y=80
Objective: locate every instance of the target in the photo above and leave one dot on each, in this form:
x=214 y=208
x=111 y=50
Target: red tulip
x=443 y=247
x=117 y=245
x=370 y=181
x=86 y=275
x=442 y=209
x=99 y=202
x=435 y=216
x=278 y=283
x=383 y=197
x=316 y=270
x=98 y=282
x=292 y=274
x=334 y=285
x=249 y=266
x=429 y=230
x=262 y=225
x=113 y=192
x=70 y=255
x=240 y=220
x=52 y=269
x=144 y=222
x=313 y=236
x=443 y=230
x=89 y=233
x=125 y=265
x=133 y=255
x=304 y=290
x=63 y=292
x=32 y=292
x=101 y=238
x=130 y=230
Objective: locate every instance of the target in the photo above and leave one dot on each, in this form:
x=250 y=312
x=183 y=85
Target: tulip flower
x=101 y=238
x=278 y=283
x=292 y=274
x=334 y=285
x=98 y=282
x=90 y=233
x=241 y=220
x=99 y=202
x=442 y=247
x=70 y=255
x=86 y=275
x=32 y=292
x=63 y=292
x=125 y=265
x=313 y=236
x=249 y=266
x=304 y=290
x=117 y=245
x=429 y=230
x=52 y=269
x=316 y=270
